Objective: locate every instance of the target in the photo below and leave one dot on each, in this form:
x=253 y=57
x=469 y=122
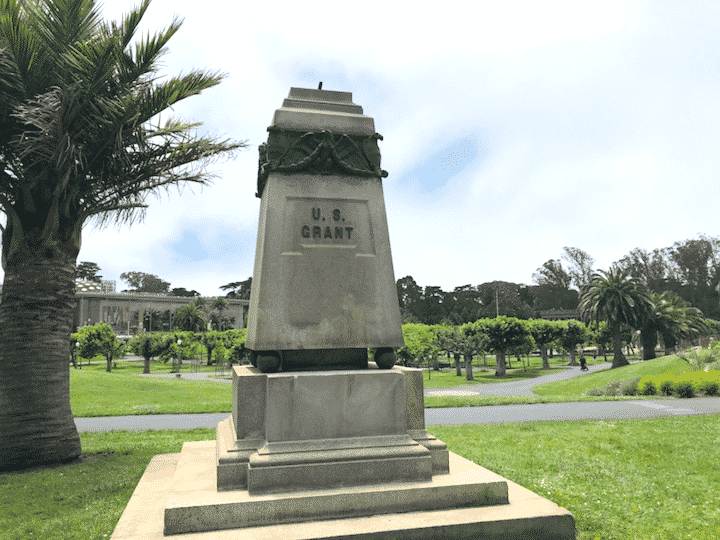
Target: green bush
x=684 y=389
x=617 y=388
x=647 y=387
x=667 y=387
x=629 y=388
x=709 y=388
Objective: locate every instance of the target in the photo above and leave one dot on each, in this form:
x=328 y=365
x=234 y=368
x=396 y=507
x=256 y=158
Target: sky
x=510 y=131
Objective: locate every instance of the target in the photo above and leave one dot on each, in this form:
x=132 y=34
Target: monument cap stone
x=307 y=109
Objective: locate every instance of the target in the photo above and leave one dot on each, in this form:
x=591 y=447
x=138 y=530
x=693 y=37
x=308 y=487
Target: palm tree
x=79 y=141
x=616 y=297
x=191 y=318
x=674 y=319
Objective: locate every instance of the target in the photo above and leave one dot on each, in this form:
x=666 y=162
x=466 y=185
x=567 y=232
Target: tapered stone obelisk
x=323 y=289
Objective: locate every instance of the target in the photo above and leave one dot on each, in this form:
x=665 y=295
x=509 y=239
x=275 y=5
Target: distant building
x=100 y=303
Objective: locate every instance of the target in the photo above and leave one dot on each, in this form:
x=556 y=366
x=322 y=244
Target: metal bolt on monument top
x=323 y=288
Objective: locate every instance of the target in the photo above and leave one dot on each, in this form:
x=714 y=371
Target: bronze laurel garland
x=321 y=152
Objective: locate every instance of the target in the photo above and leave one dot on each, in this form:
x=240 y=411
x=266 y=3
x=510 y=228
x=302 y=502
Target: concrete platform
x=168 y=485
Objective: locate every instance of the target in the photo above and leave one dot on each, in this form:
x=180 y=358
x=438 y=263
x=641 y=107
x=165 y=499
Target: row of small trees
x=176 y=346
x=501 y=336
x=618 y=307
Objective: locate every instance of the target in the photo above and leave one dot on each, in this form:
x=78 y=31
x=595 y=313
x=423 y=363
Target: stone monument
x=323 y=289
x=322 y=443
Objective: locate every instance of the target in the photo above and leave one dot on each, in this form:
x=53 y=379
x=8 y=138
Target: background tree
x=552 y=274
x=572 y=334
x=420 y=343
x=544 y=333
x=448 y=339
x=142 y=282
x=524 y=348
x=504 y=298
x=580 y=266
x=99 y=339
x=650 y=268
x=601 y=336
x=181 y=346
x=149 y=346
x=238 y=289
x=552 y=288
x=210 y=341
x=217 y=320
x=463 y=305
x=432 y=309
x=182 y=291
x=472 y=341
x=695 y=264
x=79 y=139
x=88 y=271
x=410 y=299
x=503 y=333
x=619 y=299
x=191 y=318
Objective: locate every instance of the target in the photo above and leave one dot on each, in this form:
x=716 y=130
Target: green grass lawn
x=639 y=479
x=571 y=389
x=84 y=501
x=621 y=479
x=580 y=385
x=95 y=392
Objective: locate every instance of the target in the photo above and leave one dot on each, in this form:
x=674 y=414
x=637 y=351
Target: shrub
x=647 y=387
x=709 y=388
x=613 y=389
x=616 y=388
x=684 y=389
x=667 y=386
x=698 y=358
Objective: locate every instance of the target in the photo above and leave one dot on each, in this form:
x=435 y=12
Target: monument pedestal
x=330 y=455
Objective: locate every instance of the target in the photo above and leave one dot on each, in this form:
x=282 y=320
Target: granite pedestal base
x=177 y=492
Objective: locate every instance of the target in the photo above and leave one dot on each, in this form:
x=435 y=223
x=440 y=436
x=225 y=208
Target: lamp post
x=179 y=357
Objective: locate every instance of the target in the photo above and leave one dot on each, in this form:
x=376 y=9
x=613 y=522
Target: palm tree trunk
x=36 y=318
x=648 y=336
x=619 y=359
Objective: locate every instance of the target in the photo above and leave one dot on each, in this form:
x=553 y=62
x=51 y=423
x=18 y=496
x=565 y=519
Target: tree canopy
x=88 y=271
x=142 y=282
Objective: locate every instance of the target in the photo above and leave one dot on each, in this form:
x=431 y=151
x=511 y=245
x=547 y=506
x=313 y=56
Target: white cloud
x=596 y=126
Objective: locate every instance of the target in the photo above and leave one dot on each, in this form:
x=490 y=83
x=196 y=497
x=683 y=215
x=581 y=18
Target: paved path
x=522 y=387
x=497 y=414
x=513 y=388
